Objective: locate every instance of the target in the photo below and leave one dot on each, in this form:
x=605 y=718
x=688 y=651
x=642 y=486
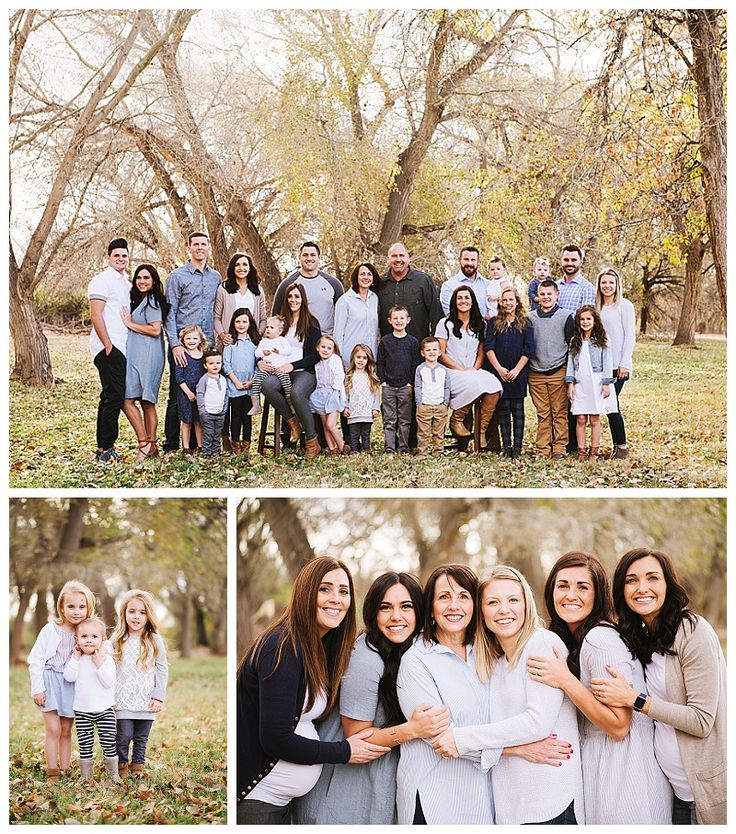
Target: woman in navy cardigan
x=289 y=678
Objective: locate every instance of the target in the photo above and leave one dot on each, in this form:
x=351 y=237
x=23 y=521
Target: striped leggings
x=106 y=732
x=260 y=375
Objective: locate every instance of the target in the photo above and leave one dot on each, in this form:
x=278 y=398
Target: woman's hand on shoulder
x=615 y=691
x=362 y=750
x=444 y=745
x=552 y=671
x=428 y=721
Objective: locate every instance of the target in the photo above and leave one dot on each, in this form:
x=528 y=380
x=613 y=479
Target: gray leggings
x=302 y=385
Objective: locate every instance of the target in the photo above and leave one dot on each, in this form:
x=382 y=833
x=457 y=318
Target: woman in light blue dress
x=366 y=795
x=145 y=356
x=622 y=782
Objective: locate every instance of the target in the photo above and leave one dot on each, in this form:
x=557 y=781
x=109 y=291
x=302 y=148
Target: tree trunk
x=200 y=624
x=41 y=611
x=32 y=357
x=288 y=533
x=705 y=37
x=16 y=634
x=693 y=279
x=646 y=301
x=219 y=627
x=185 y=626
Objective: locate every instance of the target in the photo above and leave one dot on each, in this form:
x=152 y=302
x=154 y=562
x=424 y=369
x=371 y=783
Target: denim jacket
x=600 y=359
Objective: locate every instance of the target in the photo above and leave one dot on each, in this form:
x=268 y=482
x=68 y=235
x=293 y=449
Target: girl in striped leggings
x=92 y=671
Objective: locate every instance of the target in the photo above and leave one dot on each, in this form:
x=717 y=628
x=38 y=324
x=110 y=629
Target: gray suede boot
x=86 y=766
x=111 y=766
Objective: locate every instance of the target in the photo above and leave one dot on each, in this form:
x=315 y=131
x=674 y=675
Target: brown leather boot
x=295 y=429
x=595 y=453
x=245 y=447
x=457 y=421
x=52 y=774
x=123 y=770
x=312 y=448
x=583 y=454
x=487 y=407
x=137 y=770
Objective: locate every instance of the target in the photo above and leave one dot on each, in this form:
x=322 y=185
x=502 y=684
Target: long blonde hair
x=487 y=648
x=149 y=646
x=374 y=383
x=74 y=586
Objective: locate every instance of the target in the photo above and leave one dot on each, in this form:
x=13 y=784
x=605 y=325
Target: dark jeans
x=302 y=385
x=616 y=421
x=255 y=812
x=567 y=817
x=240 y=422
x=360 y=436
x=683 y=813
x=396 y=410
x=112 y=378
x=572 y=421
x=511 y=411
x=171 y=419
x=419 y=818
x=135 y=730
x=211 y=433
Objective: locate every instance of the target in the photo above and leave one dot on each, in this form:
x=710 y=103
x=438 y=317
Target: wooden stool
x=264 y=433
x=460 y=444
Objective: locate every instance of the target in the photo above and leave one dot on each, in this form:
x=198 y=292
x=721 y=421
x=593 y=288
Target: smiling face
x=587 y=321
x=309 y=261
x=241 y=268
x=118 y=259
x=144 y=281
x=90 y=637
x=398 y=320
x=503 y=609
x=468 y=263
x=452 y=609
x=431 y=352
x=508 y=302
x=607 y=285
x=396 y=618
x=463 y=301
x=645 y=588
x=135 y=616
x=74 y=608
x=333 y=600
x=574 y=596
x=398 y=259
x=191 y=340
x=548 y=298
x=199 y=248
x=241 y=324
x=365 y=277
x=294 y=300
x=213 y=365
x=571 y=263
x=325 y=348
x=360 y=360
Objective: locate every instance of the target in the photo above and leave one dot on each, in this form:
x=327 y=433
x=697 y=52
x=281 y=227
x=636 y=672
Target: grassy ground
x=675 y=410
x=185 y=777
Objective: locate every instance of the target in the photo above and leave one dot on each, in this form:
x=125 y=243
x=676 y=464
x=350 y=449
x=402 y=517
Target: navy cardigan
x=268 y=709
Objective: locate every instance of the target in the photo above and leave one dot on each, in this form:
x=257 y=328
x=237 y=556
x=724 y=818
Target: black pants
x=135 y=730
x=616 y=421
x=511 y=411
x=419 y=818
x=240 y=422
x=360 y=436
x=171 y=419
x=683 y=813
x=112 y=379
x=256 y=812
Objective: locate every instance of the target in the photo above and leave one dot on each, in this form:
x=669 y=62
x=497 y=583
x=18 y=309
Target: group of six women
x=456 y=706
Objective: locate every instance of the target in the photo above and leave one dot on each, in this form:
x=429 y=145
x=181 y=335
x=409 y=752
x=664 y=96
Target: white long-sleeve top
x=43 y=649
x=620 y=323
x=136 y=686
x=94 y=687
x=524 y=710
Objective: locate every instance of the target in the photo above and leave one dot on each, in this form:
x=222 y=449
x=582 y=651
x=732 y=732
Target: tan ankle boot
x=137 y=770
x=486 y=415
x=595 y=453
x=295 y=429
x=123 y=770
x=457 y=421
x=52 y=774
x=312 y=448
x=583 y=454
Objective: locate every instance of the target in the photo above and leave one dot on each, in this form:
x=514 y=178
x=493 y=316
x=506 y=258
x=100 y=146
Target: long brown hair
x=374 y=383
x=520 y=319
x=325 y=658
x=598 y=334
x=305 y=319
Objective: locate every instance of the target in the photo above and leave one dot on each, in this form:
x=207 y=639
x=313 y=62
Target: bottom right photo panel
x=465 y=660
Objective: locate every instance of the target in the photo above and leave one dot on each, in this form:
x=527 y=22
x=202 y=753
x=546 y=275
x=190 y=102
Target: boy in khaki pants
x=432 y=397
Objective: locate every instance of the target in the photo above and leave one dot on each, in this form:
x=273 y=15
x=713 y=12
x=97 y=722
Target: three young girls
x=74 y=672
x=590 y=379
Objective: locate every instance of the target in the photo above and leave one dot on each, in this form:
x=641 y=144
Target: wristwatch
x=641 y=699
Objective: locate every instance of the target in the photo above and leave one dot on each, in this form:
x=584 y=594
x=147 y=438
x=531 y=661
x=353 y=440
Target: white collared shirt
x=113 y=288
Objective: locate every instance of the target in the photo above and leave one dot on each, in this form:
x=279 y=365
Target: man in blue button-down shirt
x=190 y=290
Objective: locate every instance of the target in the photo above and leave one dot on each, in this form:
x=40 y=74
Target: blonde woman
x=522 y=710
x=142 y=674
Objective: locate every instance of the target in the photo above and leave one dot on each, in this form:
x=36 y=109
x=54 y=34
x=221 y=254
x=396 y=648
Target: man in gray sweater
x=552 y=333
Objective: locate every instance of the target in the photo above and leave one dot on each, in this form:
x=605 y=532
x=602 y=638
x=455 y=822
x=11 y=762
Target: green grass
x=185 y=776
x=675 y=410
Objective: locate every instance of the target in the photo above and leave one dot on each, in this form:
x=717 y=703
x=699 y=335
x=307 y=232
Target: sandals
x=145 y=448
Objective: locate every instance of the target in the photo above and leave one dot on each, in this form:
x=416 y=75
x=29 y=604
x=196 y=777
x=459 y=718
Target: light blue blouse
x=356 y=322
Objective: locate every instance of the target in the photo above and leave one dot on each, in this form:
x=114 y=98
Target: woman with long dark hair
x=392 y=613
x=686 y=683
x=145 y=356
x=302 y=333
x=241 y=288
x=288 y=679
x=622 y=782
x=461 y=335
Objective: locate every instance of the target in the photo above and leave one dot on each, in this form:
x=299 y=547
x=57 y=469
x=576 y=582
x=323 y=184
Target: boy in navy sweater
x=398 y=358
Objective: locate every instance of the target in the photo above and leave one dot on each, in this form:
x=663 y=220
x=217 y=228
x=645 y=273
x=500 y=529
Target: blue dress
x=144 y=355
x=509 y=346
x=194 y=371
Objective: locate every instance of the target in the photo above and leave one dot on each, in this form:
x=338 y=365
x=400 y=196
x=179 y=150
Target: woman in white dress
x=461 y=335
x=619 y=319
x=622 y=782
x=521 y=709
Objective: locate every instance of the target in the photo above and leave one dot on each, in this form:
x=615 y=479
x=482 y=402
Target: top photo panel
x=349 y=248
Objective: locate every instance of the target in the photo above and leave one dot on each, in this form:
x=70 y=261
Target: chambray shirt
x=452 y=791
x=479 y=285
x=191 y=294
x=574 y=294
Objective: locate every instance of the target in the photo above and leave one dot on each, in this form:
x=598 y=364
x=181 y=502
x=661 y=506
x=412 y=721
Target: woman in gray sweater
x=686 y=682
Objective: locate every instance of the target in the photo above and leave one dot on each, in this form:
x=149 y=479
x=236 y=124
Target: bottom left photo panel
x=118 y=659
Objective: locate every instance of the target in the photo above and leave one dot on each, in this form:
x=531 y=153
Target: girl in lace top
x=142 y=673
